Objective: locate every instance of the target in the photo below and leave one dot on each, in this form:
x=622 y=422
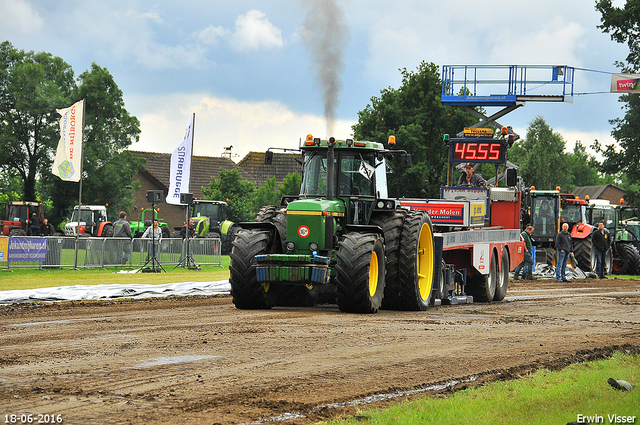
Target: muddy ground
x=198 y=360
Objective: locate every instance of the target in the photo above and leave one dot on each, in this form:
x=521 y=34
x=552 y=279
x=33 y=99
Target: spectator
x=469 y=178
x=155 y=234
x=192 y=229
x=527 y=264
x=601 y=242
x=47 y=228
x=564 y=246
x=34 y=227
x=122 y=229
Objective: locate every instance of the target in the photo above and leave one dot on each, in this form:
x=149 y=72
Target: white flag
x=180 y=170
x=68 y=162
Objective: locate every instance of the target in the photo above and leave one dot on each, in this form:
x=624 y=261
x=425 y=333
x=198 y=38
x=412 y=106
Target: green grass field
x=542 y=398
x=32 y=277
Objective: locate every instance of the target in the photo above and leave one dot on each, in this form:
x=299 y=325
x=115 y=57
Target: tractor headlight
x=389 y=205
x=289 y=246
x=380 y=204
x=313 y=247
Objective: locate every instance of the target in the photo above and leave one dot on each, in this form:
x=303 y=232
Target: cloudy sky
x=247 y=68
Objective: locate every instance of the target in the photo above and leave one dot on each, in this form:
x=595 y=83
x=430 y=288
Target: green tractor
x=138 y=227
x=210 y=221
x=341 y=240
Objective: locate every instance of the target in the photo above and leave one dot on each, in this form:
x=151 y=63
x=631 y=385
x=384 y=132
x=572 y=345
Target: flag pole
x=75 y=258
x=193 y=135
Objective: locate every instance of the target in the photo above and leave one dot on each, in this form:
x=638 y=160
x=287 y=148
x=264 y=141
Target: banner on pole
x=68 y=162
x=625 y=83
x=180 y=170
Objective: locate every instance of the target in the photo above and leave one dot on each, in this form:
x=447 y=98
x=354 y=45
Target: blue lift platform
x=506 y=86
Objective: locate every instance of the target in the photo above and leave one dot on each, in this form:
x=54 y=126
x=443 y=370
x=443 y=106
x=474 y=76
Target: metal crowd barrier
x=108 y=252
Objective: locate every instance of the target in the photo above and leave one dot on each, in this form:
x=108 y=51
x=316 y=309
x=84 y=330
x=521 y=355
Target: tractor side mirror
x=268 y=157
x=512 y=177
x=405 y=160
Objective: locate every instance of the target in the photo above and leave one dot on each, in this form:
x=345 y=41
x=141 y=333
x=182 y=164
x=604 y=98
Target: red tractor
x=18 y=216
x=548 y=210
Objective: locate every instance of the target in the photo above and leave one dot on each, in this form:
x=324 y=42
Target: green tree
x=32 y=86
x=107 y=167
x=623 y=24
x=541 y=157
x=290 y=185
x=266 y=194
x=415 y=115
x=238 y=193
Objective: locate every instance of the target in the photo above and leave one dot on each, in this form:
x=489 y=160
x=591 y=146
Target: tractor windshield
x=572 y=213
x=543 y=216
x=211 y=210
x=355 y=174
x=607 y=215
x=85 y=216
x=18 y=213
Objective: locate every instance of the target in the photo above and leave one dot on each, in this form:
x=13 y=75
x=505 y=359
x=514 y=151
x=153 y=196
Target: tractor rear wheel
x=417 y=262
x=391 y=225
x=626 y=259
x=247 y=292
x=17 y=231
x=360 y=273
x=483 y=287
x=107 y=230
x=503 y=279
x=266 y=214
x=585 y=254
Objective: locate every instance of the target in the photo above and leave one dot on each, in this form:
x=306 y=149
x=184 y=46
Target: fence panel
x=109 y=252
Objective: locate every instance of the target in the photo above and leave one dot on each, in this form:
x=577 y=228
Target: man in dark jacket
x=122 y=229
x=601 y=242
x=469 y=178
x=564 y=246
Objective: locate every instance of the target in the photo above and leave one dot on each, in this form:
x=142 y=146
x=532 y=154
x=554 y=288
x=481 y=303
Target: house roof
x=281 y=165
x=202 y=169
x=594 y=192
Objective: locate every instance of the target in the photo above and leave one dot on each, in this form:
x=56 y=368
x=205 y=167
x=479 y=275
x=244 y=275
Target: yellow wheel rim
x=373 y=274
x=425 y=261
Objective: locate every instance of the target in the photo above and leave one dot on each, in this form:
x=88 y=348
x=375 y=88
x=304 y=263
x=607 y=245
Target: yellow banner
x=478 y=132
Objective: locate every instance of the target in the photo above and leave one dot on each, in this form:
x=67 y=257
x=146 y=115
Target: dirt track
x=199 y=360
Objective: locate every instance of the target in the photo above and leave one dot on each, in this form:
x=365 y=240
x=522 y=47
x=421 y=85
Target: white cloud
x=18 y=16
x=211 y=34
x=248 y=126
x=254 y=31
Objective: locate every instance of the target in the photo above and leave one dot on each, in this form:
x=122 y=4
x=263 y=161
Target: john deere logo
x=303 y=231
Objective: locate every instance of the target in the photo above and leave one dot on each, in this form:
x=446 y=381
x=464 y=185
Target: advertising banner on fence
x=4 y=245
x=27 y=249
x=68 y=162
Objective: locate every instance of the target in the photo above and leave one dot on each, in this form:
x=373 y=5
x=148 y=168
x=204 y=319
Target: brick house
x=607 y=191
x=155 y=176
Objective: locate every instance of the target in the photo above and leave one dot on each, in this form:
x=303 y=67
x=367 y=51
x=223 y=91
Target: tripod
x=187 y=261
x=155 y=264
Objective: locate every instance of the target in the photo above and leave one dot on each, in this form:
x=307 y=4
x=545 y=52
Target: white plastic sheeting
x=108 y=292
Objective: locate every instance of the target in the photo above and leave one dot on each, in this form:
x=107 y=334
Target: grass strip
x=579 y=392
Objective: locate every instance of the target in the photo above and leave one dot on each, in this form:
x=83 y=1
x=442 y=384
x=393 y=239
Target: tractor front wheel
x=247 y=292
x=391 y=225
x=360 y=273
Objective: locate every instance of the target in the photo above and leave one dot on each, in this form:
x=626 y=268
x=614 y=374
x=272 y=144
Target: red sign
x=482 y=151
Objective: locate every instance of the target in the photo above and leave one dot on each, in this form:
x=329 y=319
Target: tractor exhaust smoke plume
x=325 y=33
